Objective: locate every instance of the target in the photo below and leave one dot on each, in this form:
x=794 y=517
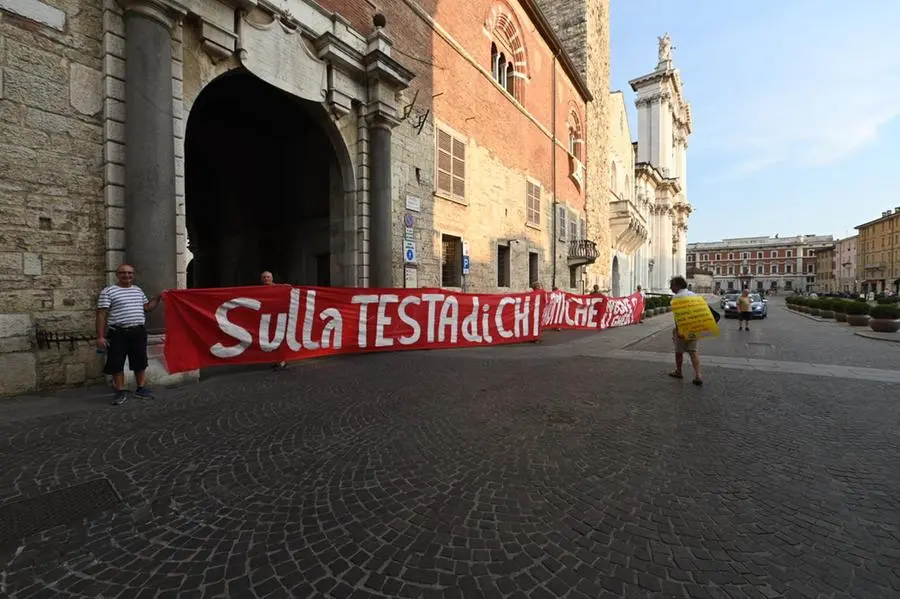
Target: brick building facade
x=510 y=150
x=780 y=264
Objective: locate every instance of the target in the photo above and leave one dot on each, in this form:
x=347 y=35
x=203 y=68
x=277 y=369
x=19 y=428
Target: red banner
x=564 y=310
x=265 y=324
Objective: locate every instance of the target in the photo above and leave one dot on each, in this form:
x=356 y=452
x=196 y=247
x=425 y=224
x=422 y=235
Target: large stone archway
x=268 y=186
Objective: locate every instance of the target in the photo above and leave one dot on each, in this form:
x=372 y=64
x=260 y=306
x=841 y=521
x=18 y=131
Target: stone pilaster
x=386 y=78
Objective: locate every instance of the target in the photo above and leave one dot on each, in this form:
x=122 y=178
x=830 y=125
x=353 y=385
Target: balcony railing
x=582 y=251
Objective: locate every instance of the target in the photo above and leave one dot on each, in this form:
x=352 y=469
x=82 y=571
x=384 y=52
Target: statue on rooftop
x=665 y=48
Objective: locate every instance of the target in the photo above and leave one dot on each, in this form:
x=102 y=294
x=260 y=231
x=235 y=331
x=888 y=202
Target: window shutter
x=581 y=231
x=561 y=211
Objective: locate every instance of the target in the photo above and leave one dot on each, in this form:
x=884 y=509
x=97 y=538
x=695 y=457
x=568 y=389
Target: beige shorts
x=684 y=345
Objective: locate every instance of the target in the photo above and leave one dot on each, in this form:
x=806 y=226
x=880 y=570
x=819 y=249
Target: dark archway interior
x=262 y=187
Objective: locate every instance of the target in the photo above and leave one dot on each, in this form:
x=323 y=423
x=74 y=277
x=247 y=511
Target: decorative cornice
x=166 y=12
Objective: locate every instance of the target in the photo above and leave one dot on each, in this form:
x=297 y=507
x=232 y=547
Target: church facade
x=650 y=209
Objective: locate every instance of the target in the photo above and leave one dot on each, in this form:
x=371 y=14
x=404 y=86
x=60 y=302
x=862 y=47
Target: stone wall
x=52 y=214
x=583 y=26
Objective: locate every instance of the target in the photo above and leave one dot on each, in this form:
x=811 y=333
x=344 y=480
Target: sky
x=796 y=108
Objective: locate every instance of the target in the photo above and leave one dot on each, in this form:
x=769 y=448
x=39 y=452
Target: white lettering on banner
x=470 y=324
x=431 y=299
x=520 y=325
x=232 y=330
x=382 y=320
x=272 y=343
x=449 y=318
x=363 y=301
x=444 y=324
x=619 y=312
x=498 y=317
x=409 y=321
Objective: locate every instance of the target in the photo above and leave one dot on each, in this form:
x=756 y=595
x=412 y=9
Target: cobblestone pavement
x=441 y=474
x=790 y=336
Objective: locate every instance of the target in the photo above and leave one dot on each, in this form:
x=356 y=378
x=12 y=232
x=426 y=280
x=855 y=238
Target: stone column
x=150 y=149
x=386 y=78
x=381 y=238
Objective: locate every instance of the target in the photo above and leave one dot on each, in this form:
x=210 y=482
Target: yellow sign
x=693 y=318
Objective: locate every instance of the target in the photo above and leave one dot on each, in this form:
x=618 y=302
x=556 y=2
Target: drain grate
x=34 y=514
x=760 y=344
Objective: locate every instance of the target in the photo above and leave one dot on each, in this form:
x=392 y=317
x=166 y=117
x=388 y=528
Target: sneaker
x=144 y=393
x=121 y=397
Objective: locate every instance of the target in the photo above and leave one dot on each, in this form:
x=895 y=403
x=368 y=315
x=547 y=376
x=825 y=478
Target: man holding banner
x=693 y=319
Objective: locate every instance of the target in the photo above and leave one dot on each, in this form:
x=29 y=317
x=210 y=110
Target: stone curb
x=868 y=335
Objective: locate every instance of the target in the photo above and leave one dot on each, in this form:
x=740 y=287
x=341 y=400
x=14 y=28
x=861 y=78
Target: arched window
x=576 y=137
x=613 y=178
x=509 y=61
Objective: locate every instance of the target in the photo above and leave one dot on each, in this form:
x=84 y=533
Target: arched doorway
x=615 y=277
x=268 y=186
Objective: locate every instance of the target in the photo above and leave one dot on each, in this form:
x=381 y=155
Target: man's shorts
x=684 y=345
x=745 y=315
x=128 y=343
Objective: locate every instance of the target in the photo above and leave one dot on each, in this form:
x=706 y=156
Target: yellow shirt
x=744 y=303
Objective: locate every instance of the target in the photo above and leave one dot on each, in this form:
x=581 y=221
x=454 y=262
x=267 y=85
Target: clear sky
x=795 y=107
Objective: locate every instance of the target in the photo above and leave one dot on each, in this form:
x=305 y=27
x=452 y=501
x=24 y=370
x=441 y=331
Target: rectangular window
x=774 y=269
x=730 y=256
x=759 y=269
x=532 y=203
x=731 y=270
x=744 y=255
x=451 y=261
x=788 y=285
x=573 y=227
x=574 y=276
x=790 y=254
x=759 y=285
x=718 y=256
x=533 y=271
x=787 y=268
x=451 y=166
x=503 y=264
x=561 y=216
x=773 y=254
x=705 y=257
x=718 y=270
x=759 y=255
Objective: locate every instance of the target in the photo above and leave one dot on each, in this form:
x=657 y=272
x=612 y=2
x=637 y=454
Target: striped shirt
x=125 y=305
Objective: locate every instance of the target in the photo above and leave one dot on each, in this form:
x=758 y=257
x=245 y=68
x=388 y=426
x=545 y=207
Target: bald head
x=266 y=278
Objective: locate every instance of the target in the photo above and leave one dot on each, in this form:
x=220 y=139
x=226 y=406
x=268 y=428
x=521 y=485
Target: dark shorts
x=128 y=343
x=745 y=315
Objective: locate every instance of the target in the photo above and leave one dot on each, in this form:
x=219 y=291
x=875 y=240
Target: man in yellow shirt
x=745 y=310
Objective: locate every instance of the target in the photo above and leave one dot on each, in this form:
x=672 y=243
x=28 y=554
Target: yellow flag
x=693 y=318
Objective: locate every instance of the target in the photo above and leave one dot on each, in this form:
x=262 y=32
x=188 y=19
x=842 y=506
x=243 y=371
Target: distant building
x=836 y=267
x=878 y=253
x=760 y=263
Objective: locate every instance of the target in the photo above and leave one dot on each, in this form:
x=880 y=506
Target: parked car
x=758 y=305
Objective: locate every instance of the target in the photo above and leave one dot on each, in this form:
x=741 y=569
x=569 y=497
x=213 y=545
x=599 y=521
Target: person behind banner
x=268 y=279
x=121 y=332
x=678 y=286
x=640 y=291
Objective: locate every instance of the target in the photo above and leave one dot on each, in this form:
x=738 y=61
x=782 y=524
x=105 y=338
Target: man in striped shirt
x=121 y=331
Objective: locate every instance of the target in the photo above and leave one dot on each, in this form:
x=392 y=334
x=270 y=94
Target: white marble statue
x=665 y=47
